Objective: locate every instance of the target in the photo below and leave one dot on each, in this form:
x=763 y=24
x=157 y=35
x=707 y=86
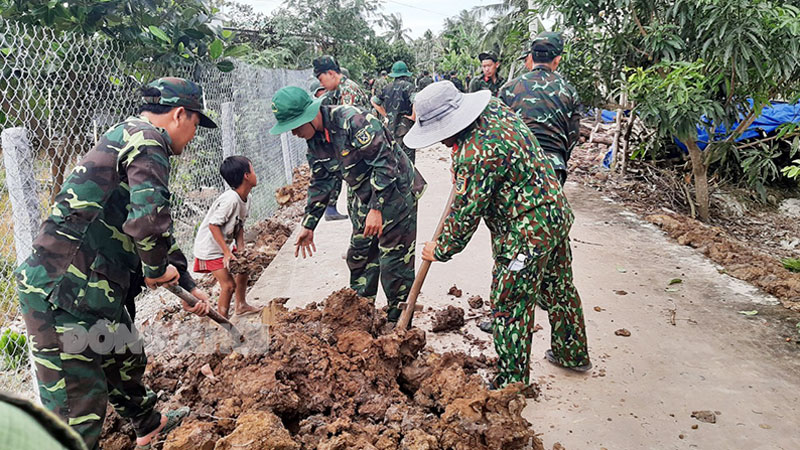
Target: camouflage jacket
x=379 y=84
x=424 y=82
x=503 y=177
x=110 y=220
x=397 y=99
x=356 y=144
x=349 y=93
x=481 y=83
x=549 y=106
x=457 y=82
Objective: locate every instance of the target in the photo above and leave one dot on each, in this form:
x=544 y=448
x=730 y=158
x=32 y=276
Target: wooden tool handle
x=408 y=312
x=191 y=300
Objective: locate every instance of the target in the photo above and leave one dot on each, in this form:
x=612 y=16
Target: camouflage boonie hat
x=547 y=45
x=293 y=107
x=325 y=63
x=400 y=69
x=180 y=92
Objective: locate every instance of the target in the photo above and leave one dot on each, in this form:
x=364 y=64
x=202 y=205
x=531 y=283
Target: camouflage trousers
x=546 y=279
x=77 y=380
x=388 y=258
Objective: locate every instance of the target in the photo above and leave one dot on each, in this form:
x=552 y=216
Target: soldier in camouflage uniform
x=331 y=213
x=425 y=80
x=354 y=142
x=396 y=102
x=503 y=177
x=491 y=79
x=381 y=82
x=547 y=102
x=110 y=221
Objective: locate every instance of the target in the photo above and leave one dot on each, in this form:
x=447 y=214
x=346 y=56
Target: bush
x=13 y=350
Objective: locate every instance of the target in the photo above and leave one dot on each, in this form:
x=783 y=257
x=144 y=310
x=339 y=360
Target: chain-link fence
x=60 y=92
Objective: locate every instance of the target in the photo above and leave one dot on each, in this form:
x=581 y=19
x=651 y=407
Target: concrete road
x=689 y=350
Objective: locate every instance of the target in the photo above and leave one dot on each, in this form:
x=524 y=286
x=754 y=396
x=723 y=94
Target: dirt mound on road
x=739 y=259
x=296 y=191
x=330 y=380
x=262 y=243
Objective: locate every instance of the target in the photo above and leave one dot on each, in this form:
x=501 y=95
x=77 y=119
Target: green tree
x=395 y=31
x=709 y=62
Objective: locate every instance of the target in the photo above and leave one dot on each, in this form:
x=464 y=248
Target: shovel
x=191 y=300
x=411 y=301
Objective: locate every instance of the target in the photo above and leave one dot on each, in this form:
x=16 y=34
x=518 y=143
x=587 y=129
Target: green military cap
x=180 y=92
x=487 y=55
x=315 y=87
x=325 y=63
x=292 y=107
x=400 y=69
x=547 y=44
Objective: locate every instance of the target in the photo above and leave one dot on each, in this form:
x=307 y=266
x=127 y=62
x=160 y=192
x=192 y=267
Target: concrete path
x=690 y=349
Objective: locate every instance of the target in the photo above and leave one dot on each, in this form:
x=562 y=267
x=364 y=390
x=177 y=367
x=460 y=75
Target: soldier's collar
x=541 y=67
x=161 y=131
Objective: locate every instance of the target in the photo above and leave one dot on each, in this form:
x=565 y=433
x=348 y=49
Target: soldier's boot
x=332 y=214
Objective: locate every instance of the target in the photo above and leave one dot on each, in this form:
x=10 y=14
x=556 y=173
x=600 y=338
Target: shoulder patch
x=461 y=184
x=363 y=136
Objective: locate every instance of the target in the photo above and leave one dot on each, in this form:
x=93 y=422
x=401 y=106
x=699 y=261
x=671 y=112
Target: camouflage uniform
x=348 y=93
x=380 y=83
x=503 y=177
x=549 y=106
x=356 y=144
x=424 y=82
x=481 y=83
x=397 y=98
x=111 y=217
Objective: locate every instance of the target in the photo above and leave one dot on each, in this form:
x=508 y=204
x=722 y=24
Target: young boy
x=223 y=223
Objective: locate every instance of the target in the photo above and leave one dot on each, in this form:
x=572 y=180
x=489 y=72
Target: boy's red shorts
x=209 y=265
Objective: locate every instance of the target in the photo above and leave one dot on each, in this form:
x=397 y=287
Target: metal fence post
x=228 y=130
x=19 y=161
x=287 y=157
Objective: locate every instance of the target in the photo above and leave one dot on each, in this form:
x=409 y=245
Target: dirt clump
x=705 y=416
x=298 y=190
x=623 y=332
x=451 y=318
x=739 y=260
x=455 y=291
x=475 y=302
x=262 y=243
x=330 y=380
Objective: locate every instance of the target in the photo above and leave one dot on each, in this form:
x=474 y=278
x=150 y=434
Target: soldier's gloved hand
x=170 y=278
x=202 y=307
x=427 y=252
x=305 y=242
x=374 y=223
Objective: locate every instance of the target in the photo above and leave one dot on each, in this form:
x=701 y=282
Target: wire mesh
x=60 y=92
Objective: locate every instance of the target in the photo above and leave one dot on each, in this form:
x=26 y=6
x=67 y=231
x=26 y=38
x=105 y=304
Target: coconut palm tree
x=394 y=24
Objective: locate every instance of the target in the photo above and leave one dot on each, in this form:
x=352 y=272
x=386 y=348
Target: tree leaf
x=749 y=313
x=235 y=51
x=159 y=33
x=675 y=281
x=225 y=65
x=215 y=49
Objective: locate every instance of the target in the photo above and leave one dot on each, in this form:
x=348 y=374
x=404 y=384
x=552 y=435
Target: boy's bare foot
x=246 y=310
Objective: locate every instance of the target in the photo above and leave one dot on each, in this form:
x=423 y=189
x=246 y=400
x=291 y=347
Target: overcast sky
x=418 y=15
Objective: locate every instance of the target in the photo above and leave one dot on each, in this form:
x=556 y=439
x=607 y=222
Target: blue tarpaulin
x=772 y=116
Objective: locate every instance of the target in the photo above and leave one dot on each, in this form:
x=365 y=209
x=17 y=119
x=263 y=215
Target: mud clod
x=475 y=302
x=455 y=291
x=448 y=319
x=623 y=332
x=330 y=380
x=705 y=416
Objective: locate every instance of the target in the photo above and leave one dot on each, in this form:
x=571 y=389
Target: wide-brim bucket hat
x=400 y=69
x=443 y=111
x=292 y=107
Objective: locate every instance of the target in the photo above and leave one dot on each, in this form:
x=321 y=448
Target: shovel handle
x=191 y=300
x=411 y=301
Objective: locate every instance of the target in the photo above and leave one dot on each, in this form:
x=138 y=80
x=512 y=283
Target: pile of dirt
x=262 y=243
x=739 y=260
x=451 y=318
x=329 y=380
x=297 y=191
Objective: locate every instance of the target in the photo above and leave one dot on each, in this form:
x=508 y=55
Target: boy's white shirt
x=228 y=212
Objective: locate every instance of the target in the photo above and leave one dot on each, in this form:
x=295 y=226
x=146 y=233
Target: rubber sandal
x=174 y=418
x=552 y=358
